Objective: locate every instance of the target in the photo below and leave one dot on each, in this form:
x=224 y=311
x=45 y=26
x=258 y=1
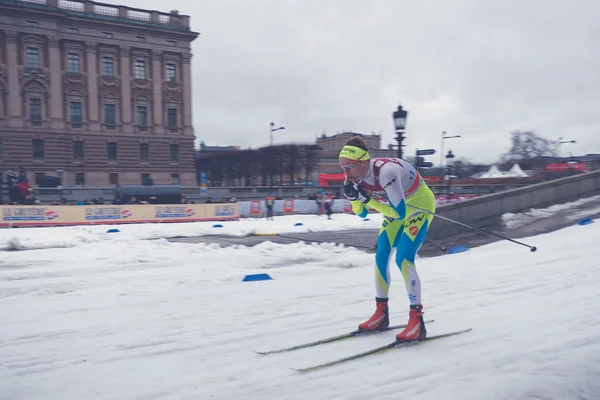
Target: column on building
x=157 y=94
x=56 y=99
x=13 y=101
x=92 y=86
x=125 y=68
x=187 y=95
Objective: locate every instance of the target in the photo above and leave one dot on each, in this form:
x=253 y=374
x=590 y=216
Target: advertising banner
x=288 y=206
x=255 y=206
x=115 y=214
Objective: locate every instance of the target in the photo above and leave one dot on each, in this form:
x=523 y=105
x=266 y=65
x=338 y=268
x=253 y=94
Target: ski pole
x=439 y=246
x=532 y=248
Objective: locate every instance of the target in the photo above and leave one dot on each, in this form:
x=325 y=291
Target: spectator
x=328 y=205
x=22 y=174
x=270 y=203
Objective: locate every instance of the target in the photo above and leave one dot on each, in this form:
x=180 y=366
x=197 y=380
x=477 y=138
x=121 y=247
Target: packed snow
x=71 y=236
x=516 y=220
x=118 y=316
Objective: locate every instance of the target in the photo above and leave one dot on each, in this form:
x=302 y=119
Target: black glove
x=350 y=191
x=363 y=196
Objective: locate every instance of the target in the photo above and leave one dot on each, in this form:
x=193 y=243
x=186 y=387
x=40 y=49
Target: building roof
x=107 y=13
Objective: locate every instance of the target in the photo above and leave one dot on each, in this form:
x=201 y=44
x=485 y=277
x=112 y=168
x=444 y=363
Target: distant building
x=210 y=151
x=101 y=92
x=331 y=145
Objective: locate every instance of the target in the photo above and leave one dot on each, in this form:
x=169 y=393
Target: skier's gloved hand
x=350 y=191
x=363 y=196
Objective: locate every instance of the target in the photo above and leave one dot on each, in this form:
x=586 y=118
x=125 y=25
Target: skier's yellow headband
x=354 y=153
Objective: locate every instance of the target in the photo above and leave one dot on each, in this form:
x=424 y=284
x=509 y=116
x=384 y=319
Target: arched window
x=35 y=102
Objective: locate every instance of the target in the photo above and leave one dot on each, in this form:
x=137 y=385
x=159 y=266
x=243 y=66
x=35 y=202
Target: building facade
x=97 y=93
x=331 y=146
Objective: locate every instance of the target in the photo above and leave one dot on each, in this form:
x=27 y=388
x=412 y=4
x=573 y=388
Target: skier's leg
x=385 y=242
x=412 y=237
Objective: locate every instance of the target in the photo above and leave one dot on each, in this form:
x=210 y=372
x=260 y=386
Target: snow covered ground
x=117 y=316
x=40 y=238
x=511 y=220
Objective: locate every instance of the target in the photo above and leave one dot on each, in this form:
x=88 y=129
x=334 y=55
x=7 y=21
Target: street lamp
x=272 y=129
x=444 y=137
x=400 y=124
x=561 y=141
x=450 y=162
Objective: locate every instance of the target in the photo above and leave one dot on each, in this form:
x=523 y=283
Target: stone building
x=331 y=145
x=102 y=93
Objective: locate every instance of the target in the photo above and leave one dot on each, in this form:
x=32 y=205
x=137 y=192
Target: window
x=72 y=30
x=108 y=68
x=146 y=179
x=170 y=73
x=79 y=178
x=76 y=113
x=111 y=151
x=144 y=152
x=73 y=63
x=38 y=177
x=32 y=24
x=171 y=43
x=175 y=179
x=38 y=148
x=172 y=118
x=142 y=116
x=174 y=152
x=78 y=150
x=140 y=69
x=110 y=115
x=35 y=110
x=107 y=34
x=140 y=39
x=113 y=179
x=33 y=57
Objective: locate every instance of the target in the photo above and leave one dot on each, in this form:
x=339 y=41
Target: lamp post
x=272 y=129
x=450 y=162
x=400 y=124
x=444 y=137
x=561 y=141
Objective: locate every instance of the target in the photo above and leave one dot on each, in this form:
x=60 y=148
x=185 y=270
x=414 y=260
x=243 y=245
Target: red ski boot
x=415 y=330
x=380 y=320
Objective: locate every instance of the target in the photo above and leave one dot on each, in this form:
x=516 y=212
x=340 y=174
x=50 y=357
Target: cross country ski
x=377 y=350
x=352 y=334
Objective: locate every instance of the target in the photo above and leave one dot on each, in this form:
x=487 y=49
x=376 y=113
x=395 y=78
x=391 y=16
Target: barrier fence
x=46 y=215
x=14 y=216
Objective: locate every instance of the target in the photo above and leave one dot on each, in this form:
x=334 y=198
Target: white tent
x=494 y=172
x=517 y=172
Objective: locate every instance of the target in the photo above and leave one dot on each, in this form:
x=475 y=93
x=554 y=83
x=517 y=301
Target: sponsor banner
x=288 y=206
x=115 y=214
x=255 y=206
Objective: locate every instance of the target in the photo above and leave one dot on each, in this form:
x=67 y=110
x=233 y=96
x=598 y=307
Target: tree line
x=267 y=166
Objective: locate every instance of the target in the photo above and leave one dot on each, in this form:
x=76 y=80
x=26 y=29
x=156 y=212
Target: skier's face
x=354 y=169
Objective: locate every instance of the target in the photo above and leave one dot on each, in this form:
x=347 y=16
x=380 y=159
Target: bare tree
x=527 y=145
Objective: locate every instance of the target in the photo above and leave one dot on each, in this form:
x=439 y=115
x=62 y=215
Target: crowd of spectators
x=18 y=188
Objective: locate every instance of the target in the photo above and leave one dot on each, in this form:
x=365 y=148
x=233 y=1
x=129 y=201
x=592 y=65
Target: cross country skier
x=403 y=228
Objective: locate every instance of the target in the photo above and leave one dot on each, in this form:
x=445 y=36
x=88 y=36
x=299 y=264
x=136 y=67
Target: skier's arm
x=390 y=177
x=351 y=193
x=385 y=209
x=359 y=209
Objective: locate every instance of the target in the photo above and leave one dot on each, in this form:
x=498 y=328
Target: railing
x=173 y=19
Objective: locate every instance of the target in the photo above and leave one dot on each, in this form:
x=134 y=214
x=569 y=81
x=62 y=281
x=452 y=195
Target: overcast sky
x=479 y=69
